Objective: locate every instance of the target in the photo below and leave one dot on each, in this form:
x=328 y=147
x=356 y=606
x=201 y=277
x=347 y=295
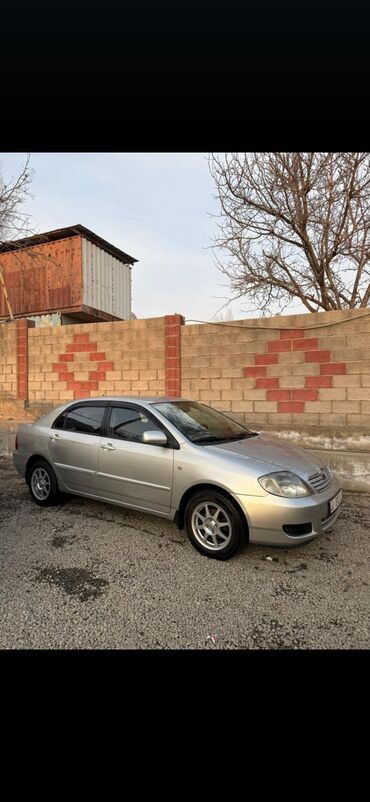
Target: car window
x=59 y=422
x=128 y=423
x=85 y=419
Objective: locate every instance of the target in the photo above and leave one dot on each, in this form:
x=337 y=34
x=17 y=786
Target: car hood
x=274 y=454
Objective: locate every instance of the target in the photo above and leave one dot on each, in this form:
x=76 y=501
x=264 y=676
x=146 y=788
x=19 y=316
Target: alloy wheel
x=40 y=483
x=211 y=526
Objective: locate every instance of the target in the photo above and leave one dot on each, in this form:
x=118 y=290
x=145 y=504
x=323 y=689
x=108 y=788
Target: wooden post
x=2 y=282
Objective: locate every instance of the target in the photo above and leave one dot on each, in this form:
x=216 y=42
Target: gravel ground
x=88 y=575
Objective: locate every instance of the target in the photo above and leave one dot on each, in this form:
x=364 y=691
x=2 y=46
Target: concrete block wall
x=86 y=360
x=296 y=370
x=292 y=371
x=8 y=360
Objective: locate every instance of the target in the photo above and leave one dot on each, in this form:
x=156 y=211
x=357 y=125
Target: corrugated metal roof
x=63 y=233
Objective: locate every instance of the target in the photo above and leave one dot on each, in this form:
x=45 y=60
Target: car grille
x=320 y=480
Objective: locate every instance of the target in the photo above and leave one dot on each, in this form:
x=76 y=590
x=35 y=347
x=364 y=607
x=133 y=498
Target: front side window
x=85 y=419
x=202 y=424
x=128 y=423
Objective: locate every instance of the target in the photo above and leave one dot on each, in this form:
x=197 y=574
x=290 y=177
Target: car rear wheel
x=43 y=484
x=214 y=525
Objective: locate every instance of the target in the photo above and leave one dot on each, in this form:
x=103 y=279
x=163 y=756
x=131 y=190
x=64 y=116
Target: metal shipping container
x=71 y=272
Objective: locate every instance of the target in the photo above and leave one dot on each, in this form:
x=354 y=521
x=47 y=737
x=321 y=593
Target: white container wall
x=106 y=281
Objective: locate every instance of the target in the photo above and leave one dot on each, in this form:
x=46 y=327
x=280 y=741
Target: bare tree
x=294 y=226
x=14 y=222
x=15 y=228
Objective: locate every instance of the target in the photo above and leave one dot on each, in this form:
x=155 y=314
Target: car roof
x=140 y=399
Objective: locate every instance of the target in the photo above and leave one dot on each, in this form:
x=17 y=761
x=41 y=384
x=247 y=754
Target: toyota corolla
x=184 y=461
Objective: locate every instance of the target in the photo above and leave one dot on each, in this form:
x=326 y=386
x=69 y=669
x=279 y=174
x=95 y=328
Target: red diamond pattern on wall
x=81 y=343
x=292 y=399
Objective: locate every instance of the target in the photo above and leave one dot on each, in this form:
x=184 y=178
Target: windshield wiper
x=212 y=438
x=245 y=436
x=206 y=438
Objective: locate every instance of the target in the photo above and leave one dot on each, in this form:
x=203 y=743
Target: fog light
x=295 y=530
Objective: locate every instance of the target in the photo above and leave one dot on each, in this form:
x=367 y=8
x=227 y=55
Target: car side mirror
x=155 y=438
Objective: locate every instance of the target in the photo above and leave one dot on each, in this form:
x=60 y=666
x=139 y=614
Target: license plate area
x=335 y=502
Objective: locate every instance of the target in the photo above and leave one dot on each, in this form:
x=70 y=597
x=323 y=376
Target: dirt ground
x=87 y=575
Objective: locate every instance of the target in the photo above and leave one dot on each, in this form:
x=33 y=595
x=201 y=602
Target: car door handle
x=108 y=447
x=54 y=437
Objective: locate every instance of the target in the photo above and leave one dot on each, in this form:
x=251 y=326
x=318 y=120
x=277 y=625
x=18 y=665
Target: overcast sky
x=155 y=206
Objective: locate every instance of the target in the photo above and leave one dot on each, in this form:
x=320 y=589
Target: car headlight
x=284 y=483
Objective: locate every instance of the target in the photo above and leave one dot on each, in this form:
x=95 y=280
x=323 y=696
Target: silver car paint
x=147 y=482
x=75 y=459
x=154 y=479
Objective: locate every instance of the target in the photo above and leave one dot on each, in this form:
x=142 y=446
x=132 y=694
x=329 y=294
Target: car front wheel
x=214 y=525
x=43 y=484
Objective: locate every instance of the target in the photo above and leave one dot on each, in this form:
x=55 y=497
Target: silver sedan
x=184 y=461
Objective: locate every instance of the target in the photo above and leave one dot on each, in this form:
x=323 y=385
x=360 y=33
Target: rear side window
x=59 y=422
x=85 y=419
x=128 y=423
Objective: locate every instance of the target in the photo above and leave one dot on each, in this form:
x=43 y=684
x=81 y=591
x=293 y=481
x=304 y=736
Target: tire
x=43 y=484
x=219 y=542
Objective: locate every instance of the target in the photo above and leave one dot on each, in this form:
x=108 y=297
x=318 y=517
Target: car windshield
x=202 y=424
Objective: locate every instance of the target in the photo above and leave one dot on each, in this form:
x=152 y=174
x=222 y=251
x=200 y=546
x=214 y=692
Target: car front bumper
x=267 y=515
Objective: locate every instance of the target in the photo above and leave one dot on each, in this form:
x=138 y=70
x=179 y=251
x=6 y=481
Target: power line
x=277 y=328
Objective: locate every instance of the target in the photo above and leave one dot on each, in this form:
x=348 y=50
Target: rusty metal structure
x=70 y=275
x=6 y=298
